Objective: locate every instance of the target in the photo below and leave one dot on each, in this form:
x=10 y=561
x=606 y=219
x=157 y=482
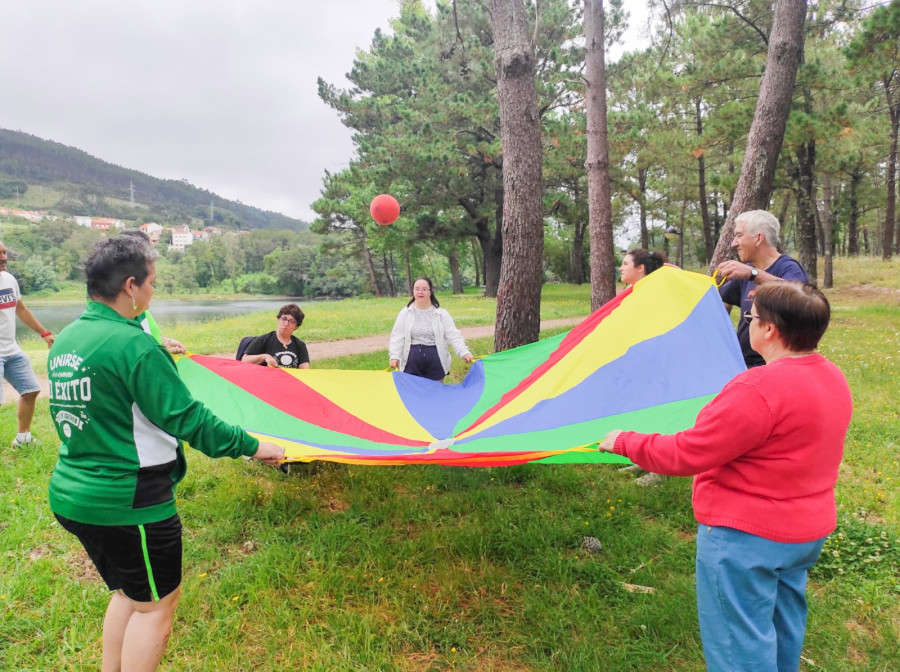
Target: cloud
x=221 y=93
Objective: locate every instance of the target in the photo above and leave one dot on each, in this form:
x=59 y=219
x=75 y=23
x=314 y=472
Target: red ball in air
x=384 y=209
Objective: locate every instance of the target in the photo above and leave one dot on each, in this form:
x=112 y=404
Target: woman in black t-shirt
x=280 y=347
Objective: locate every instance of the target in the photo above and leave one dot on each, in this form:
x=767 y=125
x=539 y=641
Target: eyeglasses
x=288 y=319
x=749 y=317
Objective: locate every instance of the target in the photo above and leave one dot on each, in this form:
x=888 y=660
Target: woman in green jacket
x=122 y=413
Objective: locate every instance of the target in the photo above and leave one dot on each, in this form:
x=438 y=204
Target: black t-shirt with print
x=290 y=357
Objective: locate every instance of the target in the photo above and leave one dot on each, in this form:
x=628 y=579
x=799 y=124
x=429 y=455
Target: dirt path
x=350 y=346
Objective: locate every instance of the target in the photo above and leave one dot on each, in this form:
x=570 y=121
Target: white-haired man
x=14 y=364
x=756 y=241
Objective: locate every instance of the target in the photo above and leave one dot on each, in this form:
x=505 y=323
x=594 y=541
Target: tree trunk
x=806 y=208
x=373 y=276
x=389 y=275
x=492 y=255
x=785 y=206
x=769 y=120
x=853 y=218
x=455 y=276
x=716 y=222
x=603 y=260
x=477 y=263
x=820 y=227
x=492 y=249
x=828 y=226
x=709 y=244
x=891 y=203
x=489 y=241
x=576 y=264
x=409 y=279
x=642 y=204
x=577 y=272
x=519 y=292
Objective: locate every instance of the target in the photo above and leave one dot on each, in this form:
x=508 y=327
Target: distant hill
x=86 y=185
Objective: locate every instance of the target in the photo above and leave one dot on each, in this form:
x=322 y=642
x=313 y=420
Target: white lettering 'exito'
x=70 y=359
x=71 y=390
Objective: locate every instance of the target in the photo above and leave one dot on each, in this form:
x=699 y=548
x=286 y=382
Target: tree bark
x=408 y=267
x=577 y=265
x=389 y=275
x=642 y=205
x=709 y=244
x=806 y=208
x=373 y=276
x=853 y=218
x=489 y=241
x=828 y=226
x=603 y=260
x=477 y=263
x=455 y=276
x=769 y=120
x=519 y=293
x=891 y=203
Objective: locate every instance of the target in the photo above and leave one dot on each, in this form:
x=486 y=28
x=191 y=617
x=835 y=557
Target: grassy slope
x=434 y=568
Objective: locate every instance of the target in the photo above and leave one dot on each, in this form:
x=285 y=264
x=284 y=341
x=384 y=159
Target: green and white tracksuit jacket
x=122 y=412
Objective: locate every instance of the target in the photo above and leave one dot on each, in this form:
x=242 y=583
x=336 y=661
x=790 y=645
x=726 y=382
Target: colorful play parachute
x=648 y=360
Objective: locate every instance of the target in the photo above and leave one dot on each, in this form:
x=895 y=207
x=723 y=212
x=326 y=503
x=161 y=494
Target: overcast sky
x=221 y=93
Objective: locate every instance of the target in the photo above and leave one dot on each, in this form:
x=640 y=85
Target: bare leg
x=135 y=634
x=26 y=410
x=118 y=612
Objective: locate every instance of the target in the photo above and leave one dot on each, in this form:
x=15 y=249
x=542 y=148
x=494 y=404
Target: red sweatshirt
x=765 y=450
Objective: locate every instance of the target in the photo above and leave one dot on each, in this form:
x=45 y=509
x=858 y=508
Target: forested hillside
x=90 y=186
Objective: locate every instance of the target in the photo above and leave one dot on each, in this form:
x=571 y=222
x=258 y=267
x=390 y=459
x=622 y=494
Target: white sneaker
x=24 y=442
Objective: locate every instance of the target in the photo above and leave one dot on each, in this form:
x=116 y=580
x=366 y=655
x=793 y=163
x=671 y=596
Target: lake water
x=167 y=313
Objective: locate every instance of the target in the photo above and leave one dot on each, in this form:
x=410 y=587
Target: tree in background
x=876 y=50
x=35 y=273
x=344 y=209
x=565 y=197
x=776 y=90
x=423 y=106
x=519 y=294
x=603 y=274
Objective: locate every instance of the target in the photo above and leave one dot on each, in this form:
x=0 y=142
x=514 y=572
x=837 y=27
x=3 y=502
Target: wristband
x=46 y=333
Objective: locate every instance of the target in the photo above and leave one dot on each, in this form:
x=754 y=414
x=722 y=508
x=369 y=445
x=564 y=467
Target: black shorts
x=143 y=561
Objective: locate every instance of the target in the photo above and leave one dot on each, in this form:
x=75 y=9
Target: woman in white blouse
x=422 y=335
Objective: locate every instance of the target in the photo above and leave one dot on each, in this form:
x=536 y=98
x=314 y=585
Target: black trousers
x=423 y=361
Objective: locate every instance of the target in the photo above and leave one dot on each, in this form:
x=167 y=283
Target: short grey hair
x=760 y=221
x=113 y=261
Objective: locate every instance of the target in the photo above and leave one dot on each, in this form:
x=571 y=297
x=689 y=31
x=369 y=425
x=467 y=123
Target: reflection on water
x=167 y=313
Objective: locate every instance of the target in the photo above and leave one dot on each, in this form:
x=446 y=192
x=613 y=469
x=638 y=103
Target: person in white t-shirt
x=14 y=364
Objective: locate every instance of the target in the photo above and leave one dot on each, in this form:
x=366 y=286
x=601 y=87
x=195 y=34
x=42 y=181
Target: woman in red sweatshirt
x=765 y=455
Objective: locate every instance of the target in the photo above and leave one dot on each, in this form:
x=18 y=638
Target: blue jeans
x=751 y=599
x=16 y=368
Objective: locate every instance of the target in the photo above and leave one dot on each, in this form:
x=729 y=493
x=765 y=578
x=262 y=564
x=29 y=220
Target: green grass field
x=439 y=568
